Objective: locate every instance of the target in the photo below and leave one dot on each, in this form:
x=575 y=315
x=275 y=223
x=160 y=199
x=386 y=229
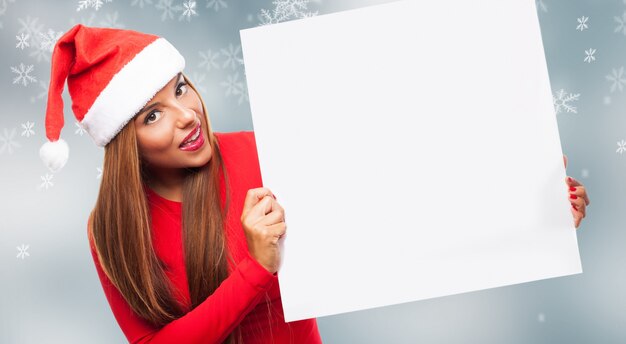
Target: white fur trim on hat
x=131 y=89
x=54 y=154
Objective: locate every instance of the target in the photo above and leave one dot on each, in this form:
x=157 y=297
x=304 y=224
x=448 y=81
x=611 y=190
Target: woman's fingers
x=579 y=189
x=579 y=205
x=577 y=217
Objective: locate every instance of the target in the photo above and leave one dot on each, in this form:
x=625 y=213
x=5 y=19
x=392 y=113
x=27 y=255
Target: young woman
x=183 y=235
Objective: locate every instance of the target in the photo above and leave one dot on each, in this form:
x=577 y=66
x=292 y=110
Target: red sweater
x=241 y=298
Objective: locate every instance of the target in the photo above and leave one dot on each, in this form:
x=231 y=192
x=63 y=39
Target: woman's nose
x=186 y=117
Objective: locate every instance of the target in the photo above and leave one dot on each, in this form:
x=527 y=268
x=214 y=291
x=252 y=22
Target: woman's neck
x=168 y=184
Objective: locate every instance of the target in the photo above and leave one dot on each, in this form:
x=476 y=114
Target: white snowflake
x=285 y=10
x=22 y=251
x=198 y=81
x=99 y=176
x=80 y=130
x=30 y=26
x=84 y=4
x=541 y=5
x=23 y=74
x=621 y=24
x=233 y=85
x=621 y=147
x=208 y=60
x=22 y=41
x=110 y=20
x=216 y=4
x=43 y=92
x=189 y=10
x=582 y=23
x=232 y=56
x=41 y=53
x=168 y=9
x=28 y=129
x=590 y=56
x=562 y=101
x=617 y=78
x=7 y=142
x=48 y=40
x=141 y=3
x=584 y=173
x=541 y=317
x=46 y=181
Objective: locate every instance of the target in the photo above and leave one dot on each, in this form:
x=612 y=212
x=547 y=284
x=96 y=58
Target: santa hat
x=111 y=75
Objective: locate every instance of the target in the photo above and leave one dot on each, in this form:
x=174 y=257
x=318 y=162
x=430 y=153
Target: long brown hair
x=120 y=228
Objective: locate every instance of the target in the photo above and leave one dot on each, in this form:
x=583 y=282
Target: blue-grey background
x=49 y=290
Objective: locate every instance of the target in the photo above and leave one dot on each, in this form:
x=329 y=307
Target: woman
x=183 y=235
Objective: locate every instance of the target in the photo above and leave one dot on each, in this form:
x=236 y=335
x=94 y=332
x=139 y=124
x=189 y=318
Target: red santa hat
x=111 y=75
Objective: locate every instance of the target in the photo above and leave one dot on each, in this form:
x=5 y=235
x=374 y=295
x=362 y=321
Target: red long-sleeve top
x=241 y=299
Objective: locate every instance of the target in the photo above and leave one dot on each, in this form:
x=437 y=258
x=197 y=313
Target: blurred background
x=49 y=289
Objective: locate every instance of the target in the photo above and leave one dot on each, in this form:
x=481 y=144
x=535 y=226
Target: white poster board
x=415 y=149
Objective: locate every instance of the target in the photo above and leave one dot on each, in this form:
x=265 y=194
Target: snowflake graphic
x=541 y=317
x=232 y=84
x=46 y=181
x=43 y=93
x=562 y=101
x=22 y=251
x=168 y=9
x=80 y=130
x=198 y=81
x=590 y=56
x=41 y=53
x=23 y=74
x=584 y=173
x=235 y=87
x=621 y=24
x=582 y=23
x=84 y=4
x=22 y=41
x=7 y=142
x=189 y=10
x=621 y=147
x=99 y=176
x=48 y=40
x=216 y=4
x=208 y=60
x=617 y=78
x=30 y=26
x=232 y=56
x=28 y=129
x=110 y=20
x=285 y=10
x=141 y=3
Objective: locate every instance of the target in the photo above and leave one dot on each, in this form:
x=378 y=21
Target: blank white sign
x=415 y=149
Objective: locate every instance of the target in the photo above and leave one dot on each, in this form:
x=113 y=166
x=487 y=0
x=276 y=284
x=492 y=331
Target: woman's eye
x=179 y=88
x=152 y=116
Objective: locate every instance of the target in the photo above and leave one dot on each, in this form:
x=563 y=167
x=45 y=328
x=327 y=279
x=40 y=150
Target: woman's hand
x=577 y=197
x=263 y=221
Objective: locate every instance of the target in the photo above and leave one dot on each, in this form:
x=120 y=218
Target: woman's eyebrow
x=157 y=103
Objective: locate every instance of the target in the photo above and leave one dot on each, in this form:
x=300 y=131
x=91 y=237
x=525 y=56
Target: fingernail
x=574 y=206
x=274 y=196
x=569 y=179
x=573 y=196
x=572 y=188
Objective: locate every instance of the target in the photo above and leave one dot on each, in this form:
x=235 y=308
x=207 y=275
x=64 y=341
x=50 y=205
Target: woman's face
x=170 y=118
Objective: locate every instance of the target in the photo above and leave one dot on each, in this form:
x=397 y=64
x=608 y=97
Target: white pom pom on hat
x=111 y=74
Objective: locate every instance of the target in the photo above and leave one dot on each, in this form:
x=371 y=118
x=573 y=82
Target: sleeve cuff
x=255 y=273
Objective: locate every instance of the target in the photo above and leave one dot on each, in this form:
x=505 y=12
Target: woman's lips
x=196 y=144
x=191 y=134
